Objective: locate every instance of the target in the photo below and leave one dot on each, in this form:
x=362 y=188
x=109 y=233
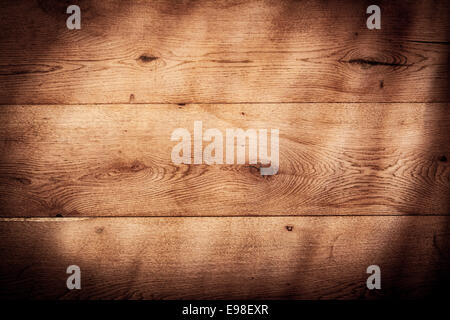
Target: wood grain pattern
x=116 y=160
x=224 y=51
x=224 y=258
x=85 y=123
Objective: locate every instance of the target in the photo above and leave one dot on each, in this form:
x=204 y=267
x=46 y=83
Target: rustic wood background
x=86 y=176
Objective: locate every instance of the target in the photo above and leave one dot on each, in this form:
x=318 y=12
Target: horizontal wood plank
x=115 y=160
x=224 y=258
x=224 y=51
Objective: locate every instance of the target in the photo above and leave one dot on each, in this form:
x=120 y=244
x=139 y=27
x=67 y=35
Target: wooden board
x=101 y=160
x=225 y=51
x=86 y=118
x=224 y=258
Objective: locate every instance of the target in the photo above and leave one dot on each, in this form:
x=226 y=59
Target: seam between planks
x=16 y=219
x=225 y=103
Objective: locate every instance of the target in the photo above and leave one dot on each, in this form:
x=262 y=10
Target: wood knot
x=23 y=181
x=137 y=166
x=289 y=228
x=443 y=159
x=147 y=58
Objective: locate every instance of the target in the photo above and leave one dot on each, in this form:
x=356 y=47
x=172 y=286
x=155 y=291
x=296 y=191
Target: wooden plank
x=224 y=51
x=224 y=258
x=116 y=161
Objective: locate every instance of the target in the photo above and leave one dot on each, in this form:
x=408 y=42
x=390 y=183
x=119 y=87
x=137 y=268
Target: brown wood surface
x=115 y=160
x=224 y=51
x=85 y=123
x=235 y=257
